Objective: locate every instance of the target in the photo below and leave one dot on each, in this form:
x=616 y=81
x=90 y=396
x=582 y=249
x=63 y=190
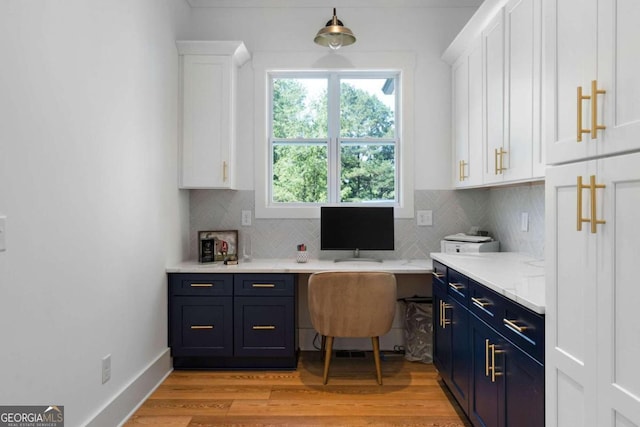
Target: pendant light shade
x=335 y=34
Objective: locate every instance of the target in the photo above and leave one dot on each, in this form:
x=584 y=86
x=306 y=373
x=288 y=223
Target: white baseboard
x=129 y=399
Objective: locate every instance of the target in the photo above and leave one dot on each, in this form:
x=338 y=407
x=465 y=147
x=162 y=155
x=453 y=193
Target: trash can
x=418 y=329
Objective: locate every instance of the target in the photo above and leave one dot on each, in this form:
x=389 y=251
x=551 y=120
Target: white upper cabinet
x=501 y=48
x=467 y=117
x=208 y=80
x=591 y=95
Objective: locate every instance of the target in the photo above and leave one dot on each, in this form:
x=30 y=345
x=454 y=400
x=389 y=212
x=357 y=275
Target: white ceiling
x=340 y=3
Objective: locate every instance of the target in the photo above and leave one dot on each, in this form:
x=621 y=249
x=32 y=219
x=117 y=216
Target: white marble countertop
x=413 y=266
x=517 y=276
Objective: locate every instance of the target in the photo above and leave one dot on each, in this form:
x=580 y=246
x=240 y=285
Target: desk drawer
x=264 y=284
x=201 y=284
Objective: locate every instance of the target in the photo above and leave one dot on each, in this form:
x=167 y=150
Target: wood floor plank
x=412 y=394
x=345 y=408
x=306 y=421
x=211 y=391
x=159 y=421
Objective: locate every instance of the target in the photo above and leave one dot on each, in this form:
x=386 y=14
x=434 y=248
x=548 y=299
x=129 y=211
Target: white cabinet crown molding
x=472 y=30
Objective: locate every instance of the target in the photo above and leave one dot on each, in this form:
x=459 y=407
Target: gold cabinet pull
x=456 y=286
x=580 y=129
x=201 y=326
x=202 y=285
x=224 y=171
x=580 y=186
x=594 y=110
x=512 y=324
x=493 y=362
x=263 y=327
x=263 y=285
x=445 y=321
x=499 y=160
x=441 y=314
x=461 y=169
x=593 y=220
x=478 y=302
x=437 y=275
x=486 y=357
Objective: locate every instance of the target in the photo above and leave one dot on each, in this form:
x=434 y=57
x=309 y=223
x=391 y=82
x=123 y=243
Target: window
x=323 y=73
x=333 y=138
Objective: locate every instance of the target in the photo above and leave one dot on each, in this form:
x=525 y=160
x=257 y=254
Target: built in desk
x=245 y=316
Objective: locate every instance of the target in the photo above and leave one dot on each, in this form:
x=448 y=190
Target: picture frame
x=217 y=245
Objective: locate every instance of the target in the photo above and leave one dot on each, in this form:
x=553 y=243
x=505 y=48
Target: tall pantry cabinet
x=591 y=125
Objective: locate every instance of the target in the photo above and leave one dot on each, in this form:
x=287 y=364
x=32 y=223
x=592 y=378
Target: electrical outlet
x=424 y=218
x=106 y=368
x=246 y=217
x=524 y=221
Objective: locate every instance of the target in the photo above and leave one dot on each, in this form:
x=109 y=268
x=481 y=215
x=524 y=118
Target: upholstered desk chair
x=352 y=304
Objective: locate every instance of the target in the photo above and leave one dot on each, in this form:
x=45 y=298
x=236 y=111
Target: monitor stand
x=356 y=257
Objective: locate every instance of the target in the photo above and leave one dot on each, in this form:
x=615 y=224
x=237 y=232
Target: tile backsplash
x=496 y=210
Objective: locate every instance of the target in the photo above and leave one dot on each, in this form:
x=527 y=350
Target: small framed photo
x=217 y=245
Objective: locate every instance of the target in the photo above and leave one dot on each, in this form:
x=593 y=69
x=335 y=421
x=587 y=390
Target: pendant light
x=335 y=34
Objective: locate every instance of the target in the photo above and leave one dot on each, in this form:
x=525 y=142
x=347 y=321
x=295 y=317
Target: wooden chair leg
x=327 y=359
x=323 y=344
x=376 y=356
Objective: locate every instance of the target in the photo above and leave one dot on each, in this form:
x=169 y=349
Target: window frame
x=334 y=141
x=267 y=64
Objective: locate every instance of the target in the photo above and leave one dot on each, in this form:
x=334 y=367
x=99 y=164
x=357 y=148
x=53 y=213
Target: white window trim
x=265 y=62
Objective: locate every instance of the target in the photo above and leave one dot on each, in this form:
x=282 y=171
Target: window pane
x=367 y=108
x=299 y=173
x=299 y=108
x=367 y=172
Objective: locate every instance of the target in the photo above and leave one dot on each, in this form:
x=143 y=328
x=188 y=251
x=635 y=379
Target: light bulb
x=335 y=42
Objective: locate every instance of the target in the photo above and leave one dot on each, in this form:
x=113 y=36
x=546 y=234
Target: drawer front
x=458 y=287
x=485 y=303
x=523 y=327
x=439 y=274
x=264 y=326
x=201 y=326
x=201 y=284
x=264 y=284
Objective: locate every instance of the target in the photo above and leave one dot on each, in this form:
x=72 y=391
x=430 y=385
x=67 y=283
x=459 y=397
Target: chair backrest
x=352 y=304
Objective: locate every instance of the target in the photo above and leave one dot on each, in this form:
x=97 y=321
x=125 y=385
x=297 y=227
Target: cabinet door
x=522 y=90
x=206 y=121
x=571 y=52
x=441 y=332
x=619 y=75
x=458 y=316
x=201 y=326
x=618 y=293
x=467 y=117
x=264 y=327
x=493 y=75
x=571 y=310
x=524 y=391
x=487 y=396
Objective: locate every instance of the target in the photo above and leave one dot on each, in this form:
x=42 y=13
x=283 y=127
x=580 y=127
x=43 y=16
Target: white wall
x=423 y=31
x=88 y=184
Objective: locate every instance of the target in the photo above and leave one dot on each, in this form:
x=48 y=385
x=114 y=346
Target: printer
x=472 y=242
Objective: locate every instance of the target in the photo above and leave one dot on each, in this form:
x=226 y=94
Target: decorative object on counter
x=232 y=260
x=302 y=255
x=246 y=247
x=217 y=245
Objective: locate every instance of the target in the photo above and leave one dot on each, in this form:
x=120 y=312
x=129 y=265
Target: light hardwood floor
x=411 y=395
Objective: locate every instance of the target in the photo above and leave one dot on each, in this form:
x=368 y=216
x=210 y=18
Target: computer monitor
x=356 y=228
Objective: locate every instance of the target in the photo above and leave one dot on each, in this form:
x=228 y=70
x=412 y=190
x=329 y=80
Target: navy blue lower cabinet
x=452 y=353
x=232 y=321
x=489 y=351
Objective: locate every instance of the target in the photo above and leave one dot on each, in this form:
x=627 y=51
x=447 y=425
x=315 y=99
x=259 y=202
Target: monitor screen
x=351 y=228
